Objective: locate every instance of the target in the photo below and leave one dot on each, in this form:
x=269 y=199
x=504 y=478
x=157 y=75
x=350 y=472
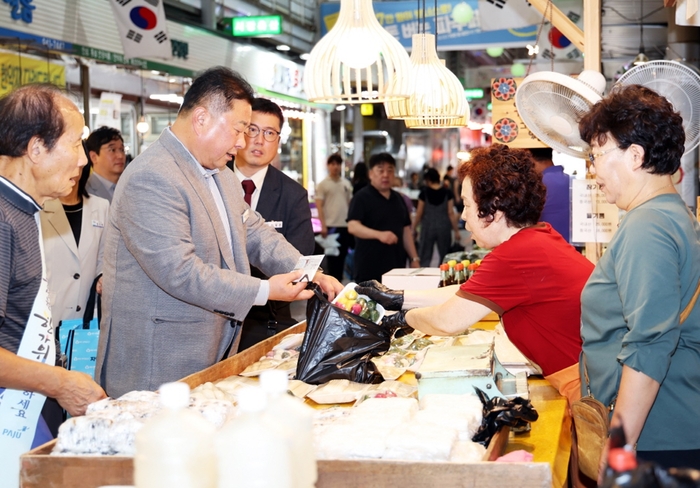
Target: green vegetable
x=371 y=304
x=375 y=315
x=366 y=314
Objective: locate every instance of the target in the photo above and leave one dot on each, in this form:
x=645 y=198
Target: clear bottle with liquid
x=251 y=453
x=175 y=447
x=290 y=417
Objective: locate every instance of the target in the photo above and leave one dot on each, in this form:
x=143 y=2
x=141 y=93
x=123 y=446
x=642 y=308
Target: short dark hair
x=334 y=158
x=431 y=175
x=541 y=153
x=100 y=137
x=29 y=111
x=265 y=106
x=380 y=158
x=217 y=87
x=505 y=179
x=634 y=114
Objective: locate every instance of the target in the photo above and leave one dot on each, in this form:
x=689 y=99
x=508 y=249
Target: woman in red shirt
x=532 y=278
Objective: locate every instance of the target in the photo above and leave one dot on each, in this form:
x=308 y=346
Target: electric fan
x=679 y=84
x=551 y=105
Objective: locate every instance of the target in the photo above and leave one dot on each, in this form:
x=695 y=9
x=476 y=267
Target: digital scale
x=460 y=369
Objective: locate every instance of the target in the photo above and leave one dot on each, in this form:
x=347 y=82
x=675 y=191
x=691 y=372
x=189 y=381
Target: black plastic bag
x=338 y=344
x=515 y=413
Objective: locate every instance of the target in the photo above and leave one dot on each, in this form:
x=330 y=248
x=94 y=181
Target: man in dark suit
x=283 y=203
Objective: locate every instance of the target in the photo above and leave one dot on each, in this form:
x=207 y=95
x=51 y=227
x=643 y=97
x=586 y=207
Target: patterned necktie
x=248 y=188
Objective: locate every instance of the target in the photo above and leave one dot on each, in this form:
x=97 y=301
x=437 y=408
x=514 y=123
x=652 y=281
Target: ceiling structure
x=627 y=27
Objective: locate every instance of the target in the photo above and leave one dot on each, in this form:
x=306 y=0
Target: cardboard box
x=412 y=278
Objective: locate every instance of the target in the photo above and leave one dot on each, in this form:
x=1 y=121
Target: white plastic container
x=294 y=420
x=250 y=453
x=175 y=448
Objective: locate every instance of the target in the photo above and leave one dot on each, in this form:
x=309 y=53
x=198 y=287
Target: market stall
x=548 y=441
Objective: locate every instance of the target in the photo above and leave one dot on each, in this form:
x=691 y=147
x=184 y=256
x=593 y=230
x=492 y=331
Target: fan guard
x=551 y=105
x=679 y=84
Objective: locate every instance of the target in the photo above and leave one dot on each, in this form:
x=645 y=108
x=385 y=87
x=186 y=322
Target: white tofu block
x=420 y=442
x=467 y=452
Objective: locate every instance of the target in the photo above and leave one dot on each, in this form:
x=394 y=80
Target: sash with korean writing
x=20 y=410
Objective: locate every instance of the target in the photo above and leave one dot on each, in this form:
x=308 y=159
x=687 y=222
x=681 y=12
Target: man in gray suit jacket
x=179 y=245
x=105 y=148
x=283 y=203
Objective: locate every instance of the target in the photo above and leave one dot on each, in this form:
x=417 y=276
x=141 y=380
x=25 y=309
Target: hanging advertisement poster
x=459 y=24
x=110 y=114
x=17 y=70
x=593 y=219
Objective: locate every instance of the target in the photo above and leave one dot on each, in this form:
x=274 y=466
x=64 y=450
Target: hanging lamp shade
x=357 y=61
x=436 y=95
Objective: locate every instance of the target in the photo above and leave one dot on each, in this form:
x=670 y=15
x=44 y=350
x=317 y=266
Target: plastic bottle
x=175 y=448
x=444 y=275
x=290 y=417
x=459 y=274
x=250 y=453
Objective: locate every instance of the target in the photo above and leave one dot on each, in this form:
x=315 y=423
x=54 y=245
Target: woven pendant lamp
x=358 y=61
x=436 y=97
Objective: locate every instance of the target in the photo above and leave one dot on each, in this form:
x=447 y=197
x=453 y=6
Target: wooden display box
x=41 y=470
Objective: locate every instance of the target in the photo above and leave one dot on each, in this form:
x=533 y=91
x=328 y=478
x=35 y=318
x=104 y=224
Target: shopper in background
x=415 y=183
x=379 y=220
x=638 y=354
x=179 y=245
x=360 y=177
x=557 y=206
x=283 y=203
x=532 y=278
x=436 y=217
x=41 y=154
x=333 y=196
x=72 y=229
x=105 y=148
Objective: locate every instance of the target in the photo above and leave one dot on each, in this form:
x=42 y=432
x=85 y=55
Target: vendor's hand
x=329 y=284
x=98 y=286
x=387 y=237
x=282 y=287
x=386 y=297
x=324 y=230
x=458 y=236
x=414 y=264
x=76 y=391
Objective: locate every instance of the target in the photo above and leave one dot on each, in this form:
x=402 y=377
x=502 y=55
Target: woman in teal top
x=638 y=354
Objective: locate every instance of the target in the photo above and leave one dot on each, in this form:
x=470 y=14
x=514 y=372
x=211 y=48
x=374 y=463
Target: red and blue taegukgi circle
x=143 y=18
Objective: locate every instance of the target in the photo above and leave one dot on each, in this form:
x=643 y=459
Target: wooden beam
x=563 y=23
x=591 y=34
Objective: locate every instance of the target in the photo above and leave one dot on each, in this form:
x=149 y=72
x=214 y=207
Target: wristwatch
x=415 y=259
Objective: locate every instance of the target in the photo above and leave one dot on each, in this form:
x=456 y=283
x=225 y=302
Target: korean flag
x=142 y=28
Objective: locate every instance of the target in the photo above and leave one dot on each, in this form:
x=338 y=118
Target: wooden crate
x=41 y=470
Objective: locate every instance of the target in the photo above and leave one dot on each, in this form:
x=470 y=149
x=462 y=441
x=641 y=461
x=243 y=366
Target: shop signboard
x=455 y=29
x=18 y=70
x=593 y=218
x=109 y=113
x=256 y=25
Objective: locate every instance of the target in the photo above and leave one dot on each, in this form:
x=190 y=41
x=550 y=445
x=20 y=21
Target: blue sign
x=47 y=42
x=403 y=19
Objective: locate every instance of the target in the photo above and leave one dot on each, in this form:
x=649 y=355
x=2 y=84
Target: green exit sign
x=474 y=93
x=261 y=25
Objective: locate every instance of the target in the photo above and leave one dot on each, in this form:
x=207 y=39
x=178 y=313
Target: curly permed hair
x=505 y=179
x=635 y=114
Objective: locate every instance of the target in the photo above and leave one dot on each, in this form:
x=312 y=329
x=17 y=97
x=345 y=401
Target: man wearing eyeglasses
x=283 y=203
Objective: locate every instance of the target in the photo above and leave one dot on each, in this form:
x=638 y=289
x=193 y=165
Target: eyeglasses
x=593 y=156
x=268 y=134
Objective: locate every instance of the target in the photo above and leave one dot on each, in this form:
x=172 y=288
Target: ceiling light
x=358 y=61
x=142 y=126
x=283 y=47
x=437 y=96
x=304 y=56
x=340 y=108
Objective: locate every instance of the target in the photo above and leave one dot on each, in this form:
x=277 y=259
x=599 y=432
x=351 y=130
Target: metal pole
x=85 y=89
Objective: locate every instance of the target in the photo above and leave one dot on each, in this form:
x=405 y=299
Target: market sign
x=20 y=70
x=474 y=93
x=255 y=26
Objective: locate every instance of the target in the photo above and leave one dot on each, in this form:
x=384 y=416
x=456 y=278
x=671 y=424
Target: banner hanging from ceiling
x=461 y=24
x=142 y=28
x=20 y=70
